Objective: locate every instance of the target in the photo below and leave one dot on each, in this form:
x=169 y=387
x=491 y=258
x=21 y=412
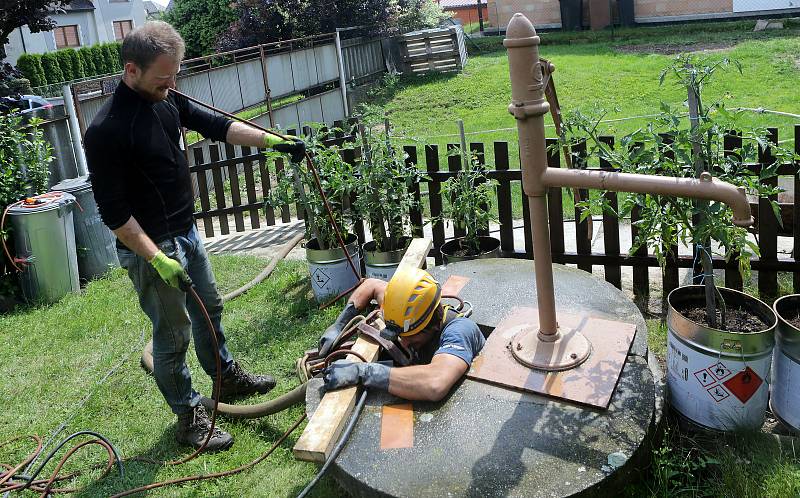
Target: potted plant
x=720 y=340
x=331 y=272
x=24 y=168
x=468 y=204
x=384 y=199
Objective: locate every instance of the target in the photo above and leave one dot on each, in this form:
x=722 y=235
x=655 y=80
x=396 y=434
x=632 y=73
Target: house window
x=66 y=36
x=122 y=28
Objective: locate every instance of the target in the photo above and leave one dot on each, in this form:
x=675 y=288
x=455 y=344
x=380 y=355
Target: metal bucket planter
x=785 y=384
x=383 y=264
x=330 y=271
x=718 y=379
x=489 y=248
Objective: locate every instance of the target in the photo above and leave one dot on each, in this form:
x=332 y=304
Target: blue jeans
x=175 y=316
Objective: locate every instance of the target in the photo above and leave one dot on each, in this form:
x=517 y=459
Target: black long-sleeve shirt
x=136 y=165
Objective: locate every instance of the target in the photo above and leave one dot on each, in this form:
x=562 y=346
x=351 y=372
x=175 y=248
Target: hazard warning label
x=718 y=393
x=320 y=278
x=744 y=384
x=719 y=370
x=705 y=377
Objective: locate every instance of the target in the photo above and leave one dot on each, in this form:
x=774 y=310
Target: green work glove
x=170 y=271
x=293 y=146
x=271 y=140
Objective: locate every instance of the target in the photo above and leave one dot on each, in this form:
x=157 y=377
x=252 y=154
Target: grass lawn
x=55 y=356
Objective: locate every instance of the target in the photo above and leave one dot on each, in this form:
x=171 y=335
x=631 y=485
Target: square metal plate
x=590 y=383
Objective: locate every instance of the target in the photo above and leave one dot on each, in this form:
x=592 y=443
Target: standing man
x=141 y=182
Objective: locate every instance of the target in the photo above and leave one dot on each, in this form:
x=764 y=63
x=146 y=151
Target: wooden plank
x=202 y=187
x=733 y=279
x=641 y=273
x=669 y=278
x=583 y=240
x=415 y=213
x=250 y=186
x=285 y=215
x=526 y=222
x=219 y=189
x=504 y=209
x=454 y=166
x=236 y=194
x=555 y=208
x=768 y=227
x=611 y=227
x=435 y=199
x=796 y=211
x=266 y=187
x=478 y=149
x=333 y=412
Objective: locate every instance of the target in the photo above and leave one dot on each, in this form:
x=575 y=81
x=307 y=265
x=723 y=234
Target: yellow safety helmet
x=410 y=300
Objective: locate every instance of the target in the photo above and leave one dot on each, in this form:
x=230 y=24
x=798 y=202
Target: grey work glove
x=345 y=373
x=332 y=332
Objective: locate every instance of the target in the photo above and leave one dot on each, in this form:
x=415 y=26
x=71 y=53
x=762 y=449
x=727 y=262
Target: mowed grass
x=54 y=356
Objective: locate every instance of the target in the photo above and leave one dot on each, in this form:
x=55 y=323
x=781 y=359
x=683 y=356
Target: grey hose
x=296 y=395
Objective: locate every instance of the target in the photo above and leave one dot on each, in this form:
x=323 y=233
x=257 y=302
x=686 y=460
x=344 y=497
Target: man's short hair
x=144 y=44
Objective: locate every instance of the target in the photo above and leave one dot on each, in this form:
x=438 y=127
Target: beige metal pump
x=549 y=348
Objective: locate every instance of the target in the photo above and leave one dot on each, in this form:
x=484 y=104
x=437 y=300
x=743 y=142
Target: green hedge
x=30 y=65
x=51 y=68
x=65 y=64
x=86 y=57
x=69 y=64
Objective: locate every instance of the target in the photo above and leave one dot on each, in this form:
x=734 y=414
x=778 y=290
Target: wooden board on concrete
x=328 y=421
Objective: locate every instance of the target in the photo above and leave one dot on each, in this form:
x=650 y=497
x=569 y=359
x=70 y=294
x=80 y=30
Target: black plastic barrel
x=626 y=14
x=571 y=15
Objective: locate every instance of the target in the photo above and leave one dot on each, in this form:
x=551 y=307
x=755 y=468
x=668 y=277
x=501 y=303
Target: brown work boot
x=236 y=382
x=193 y=429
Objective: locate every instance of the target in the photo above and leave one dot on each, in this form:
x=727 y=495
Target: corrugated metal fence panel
x=362 y=59
x=252 y=82
x=197 y=86
x=279 y=72
x=225 y=84
x=304 y=69
x=327 y=63
x=90 y=107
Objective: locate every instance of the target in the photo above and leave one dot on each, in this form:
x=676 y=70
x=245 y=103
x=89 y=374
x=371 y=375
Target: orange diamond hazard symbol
x=744 y=384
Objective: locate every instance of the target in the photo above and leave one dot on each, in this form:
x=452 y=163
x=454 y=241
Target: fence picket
x=454 y=165
x=219 y=190
x=285 y=215
x=768 y=226
x=250 y=186
x=555 y=209
x=670 y=278
x=504 y=198
x=612 y=272
x=796 y=211
x=202 y=187
x=477 y=148
x=583 y=239
x=435 y=199
x=266 y=186
x=416 y=213
x=236 y=194
x=733 y=279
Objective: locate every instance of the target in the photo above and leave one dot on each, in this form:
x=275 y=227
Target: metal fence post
x=74 y=130
x=342 y=77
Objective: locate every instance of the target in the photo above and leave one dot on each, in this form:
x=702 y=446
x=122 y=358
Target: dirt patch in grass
x=674 y=48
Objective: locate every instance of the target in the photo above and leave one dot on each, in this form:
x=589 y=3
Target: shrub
x=31 y=67
x=52 y=71
x=87 y=60
x=99 y=60
x=77 y=65
x=65 y=64
x=110 y=56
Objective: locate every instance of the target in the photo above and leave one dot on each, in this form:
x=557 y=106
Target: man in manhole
x=435 y=341
x=143 y=188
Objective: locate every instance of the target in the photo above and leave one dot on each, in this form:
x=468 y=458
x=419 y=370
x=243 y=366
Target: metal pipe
x=529 y=79
x=706 y=187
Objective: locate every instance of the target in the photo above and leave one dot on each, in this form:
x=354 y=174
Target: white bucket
x=331 y=273
x=785 y=388
x=718 y=379
x=382 y=265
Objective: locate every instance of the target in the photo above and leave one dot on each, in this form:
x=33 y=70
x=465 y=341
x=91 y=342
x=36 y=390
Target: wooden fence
x=248 y=201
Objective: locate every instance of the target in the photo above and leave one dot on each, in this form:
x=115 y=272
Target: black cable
x=339 y=446
x=50 y=456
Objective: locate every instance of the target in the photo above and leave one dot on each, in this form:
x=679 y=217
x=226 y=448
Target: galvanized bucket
x=95 y=243
x=489 y=246
x=44 y=237
x=331 y=273
x=718 y=379
x=785 y=387
x=380 y=264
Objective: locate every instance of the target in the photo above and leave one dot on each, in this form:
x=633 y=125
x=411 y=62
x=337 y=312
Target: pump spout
x=706 y=187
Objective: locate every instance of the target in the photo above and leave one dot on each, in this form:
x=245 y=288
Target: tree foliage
x=52 y=70
x=30 y=65
x=263 y=21
x=34 y=13
x=200 y=23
